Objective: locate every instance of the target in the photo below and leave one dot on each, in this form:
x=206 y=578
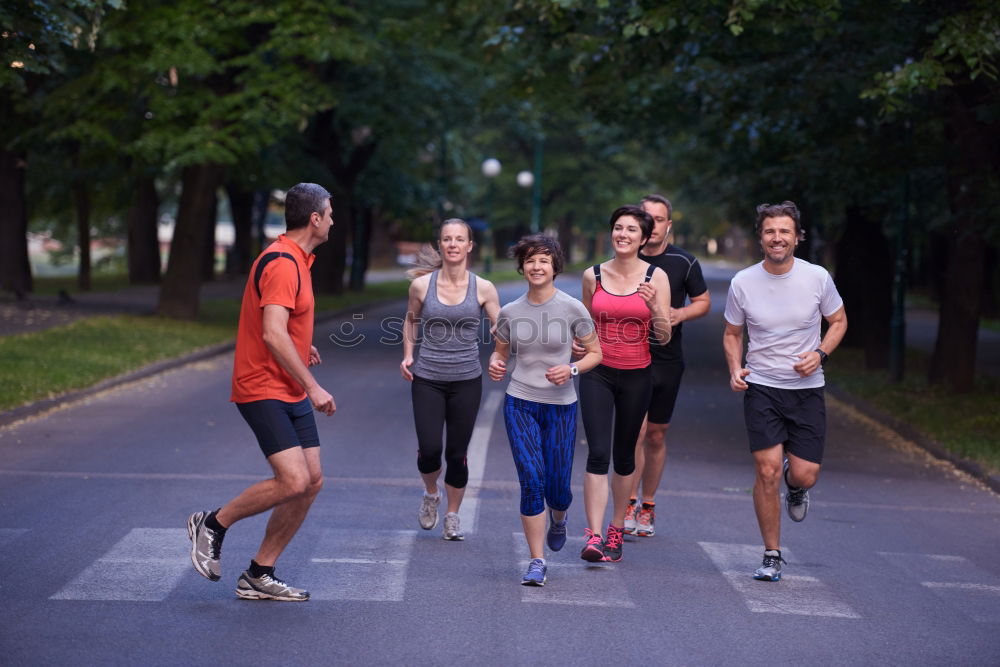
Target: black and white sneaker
x=206 y=547
x=267 y=587
x=796 y=499
x=770 y=570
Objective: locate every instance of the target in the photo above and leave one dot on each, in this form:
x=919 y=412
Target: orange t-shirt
x=256 y=373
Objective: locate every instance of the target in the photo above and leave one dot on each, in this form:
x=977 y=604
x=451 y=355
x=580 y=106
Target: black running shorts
x=279 y=425
x=666 y=385
x=795 y=417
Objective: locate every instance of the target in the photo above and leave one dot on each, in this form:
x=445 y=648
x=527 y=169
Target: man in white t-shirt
x=781 y=302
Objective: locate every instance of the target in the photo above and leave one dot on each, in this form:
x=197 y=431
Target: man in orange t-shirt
x=276 y=394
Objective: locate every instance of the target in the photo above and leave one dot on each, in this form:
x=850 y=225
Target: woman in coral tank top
x=628 y=298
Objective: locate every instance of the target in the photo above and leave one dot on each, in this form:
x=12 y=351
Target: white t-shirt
x=783 y=316
x=541 y=336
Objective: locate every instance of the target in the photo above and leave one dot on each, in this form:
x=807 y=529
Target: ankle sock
x=256 y=570
x=214 y=524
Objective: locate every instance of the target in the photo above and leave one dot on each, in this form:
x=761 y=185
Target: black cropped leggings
x=613 y=403
x=436 y=404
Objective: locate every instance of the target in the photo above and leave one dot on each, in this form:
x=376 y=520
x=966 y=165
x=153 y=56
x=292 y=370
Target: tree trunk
x=969 y=190
x=182 y=281
x=15 y=268
x=360 y=248
x=143 y=240
x=328 y=270
x=565 y=232
x=864 y=280
x=241 y=202
x=81 y=202
x=208 y=238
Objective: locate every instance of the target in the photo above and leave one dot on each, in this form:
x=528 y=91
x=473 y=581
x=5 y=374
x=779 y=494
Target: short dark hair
x=659 y=199
x=637 y=212
x=784 y=209
x=302 y=201
x=538 y=244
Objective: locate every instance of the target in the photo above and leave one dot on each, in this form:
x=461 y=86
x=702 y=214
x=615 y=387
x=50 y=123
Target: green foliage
x=78 y=355
x=965 y=424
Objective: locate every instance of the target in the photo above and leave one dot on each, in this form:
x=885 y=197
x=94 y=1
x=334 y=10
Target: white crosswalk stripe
x=955 y=580
x=798 y=593
x=468 y=513
x=361 y=565
x=572 y=581
x=145 y=565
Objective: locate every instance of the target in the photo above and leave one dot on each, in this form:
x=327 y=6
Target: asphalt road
x=896 y=563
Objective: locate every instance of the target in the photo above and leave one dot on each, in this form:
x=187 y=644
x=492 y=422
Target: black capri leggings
x=436 y=403
x=613 y=403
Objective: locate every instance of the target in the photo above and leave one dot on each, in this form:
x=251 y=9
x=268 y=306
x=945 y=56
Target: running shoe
x=771 y=569
x=429 y=511
x=796 y=499
x=535 y=576
x=644 y=522
x=267 y=587
x=451 y=530
x=630 y=512
x=593 y=550
x=556 y=537
x=613 y=544
x=206 y=547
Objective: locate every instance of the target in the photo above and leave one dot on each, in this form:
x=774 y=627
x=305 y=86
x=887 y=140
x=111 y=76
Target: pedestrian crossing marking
x=572 y=581
x=362 y=571
x=796 y=593
x=955 y=580
x=143 y=566
x=468 y=513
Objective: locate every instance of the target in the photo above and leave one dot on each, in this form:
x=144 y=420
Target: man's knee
x=769 y=472
x=656 y=437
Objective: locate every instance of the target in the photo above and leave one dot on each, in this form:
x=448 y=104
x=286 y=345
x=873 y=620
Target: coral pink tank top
x=622 y=323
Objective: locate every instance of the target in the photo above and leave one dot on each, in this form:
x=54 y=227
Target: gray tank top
x=449 y=341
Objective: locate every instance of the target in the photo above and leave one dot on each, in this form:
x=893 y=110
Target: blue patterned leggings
x=542 y=438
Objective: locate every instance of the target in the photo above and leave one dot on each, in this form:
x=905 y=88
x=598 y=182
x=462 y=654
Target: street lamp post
x=526 y=179
x=491 y=169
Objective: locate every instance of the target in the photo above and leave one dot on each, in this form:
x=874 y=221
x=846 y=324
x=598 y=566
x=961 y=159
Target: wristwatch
x=823 y=356
x=573 y=370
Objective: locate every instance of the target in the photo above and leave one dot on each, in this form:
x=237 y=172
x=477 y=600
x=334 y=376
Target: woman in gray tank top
x=446 y=302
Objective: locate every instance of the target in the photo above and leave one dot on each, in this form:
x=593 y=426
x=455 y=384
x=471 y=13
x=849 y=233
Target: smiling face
x=626 y=236
x=778 y=239
x=539 y=269
x=455 y=243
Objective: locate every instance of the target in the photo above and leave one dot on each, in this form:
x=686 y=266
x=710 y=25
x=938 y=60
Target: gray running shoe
x=771 y=569
x=429 y=511
x=797 y=503
x=630 y=514
x=796 y=499
x=206 y=546
x=266 y=587
x=451 y=530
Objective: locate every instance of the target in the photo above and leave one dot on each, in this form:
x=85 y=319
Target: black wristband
x=823 y=356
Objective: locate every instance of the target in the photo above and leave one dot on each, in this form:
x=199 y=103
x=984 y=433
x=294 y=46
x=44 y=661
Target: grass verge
x=48 y=363
x=966 y=424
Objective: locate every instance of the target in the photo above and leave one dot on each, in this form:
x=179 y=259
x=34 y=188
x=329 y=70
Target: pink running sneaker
x=613 y=544
x=592 y=551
